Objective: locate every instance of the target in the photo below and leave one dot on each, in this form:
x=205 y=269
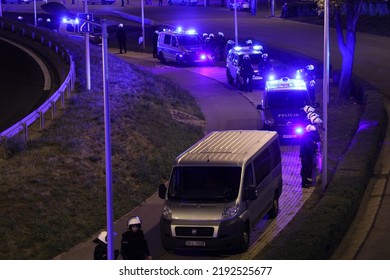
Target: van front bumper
x=201 y=236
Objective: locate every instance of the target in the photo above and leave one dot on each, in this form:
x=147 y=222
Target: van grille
x=194 y=231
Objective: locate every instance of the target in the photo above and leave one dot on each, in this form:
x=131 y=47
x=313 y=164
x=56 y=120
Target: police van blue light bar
x=299 y=130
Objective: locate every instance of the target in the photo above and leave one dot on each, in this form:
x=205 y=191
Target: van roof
x=230 y=148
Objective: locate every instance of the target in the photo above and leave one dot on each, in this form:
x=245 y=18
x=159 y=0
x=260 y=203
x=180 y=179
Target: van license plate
x=195 y=243
x=289 y=136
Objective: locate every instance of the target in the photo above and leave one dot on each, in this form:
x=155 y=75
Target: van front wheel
x=244 y=239
x=273 y=212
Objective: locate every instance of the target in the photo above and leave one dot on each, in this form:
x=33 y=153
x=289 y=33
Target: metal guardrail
x=51 y=103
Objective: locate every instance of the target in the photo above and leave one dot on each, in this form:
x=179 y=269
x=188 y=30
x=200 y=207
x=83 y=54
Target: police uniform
x=134 y=246
x=307 y=152
x=247 y=73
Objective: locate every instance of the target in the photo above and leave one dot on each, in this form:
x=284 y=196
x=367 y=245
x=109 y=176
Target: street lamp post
x=107 y=129
x=87 y=53
x=235 y=23
x=325 y=97
x=143 y=24
x=35 y=13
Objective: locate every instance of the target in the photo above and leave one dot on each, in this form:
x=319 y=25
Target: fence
x=57 y=97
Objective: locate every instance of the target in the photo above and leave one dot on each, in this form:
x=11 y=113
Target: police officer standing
x=221 y=42
x=247 y=72
x=307 y=153
x=121 y=36
x=134 y=245
x=100 y=252
x=155 y=40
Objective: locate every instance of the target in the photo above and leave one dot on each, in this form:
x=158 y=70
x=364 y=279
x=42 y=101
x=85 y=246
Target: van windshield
x=190 y=40
x=288 y=99
x=198 y=184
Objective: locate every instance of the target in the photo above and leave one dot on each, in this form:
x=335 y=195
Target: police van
x=234 y=60
x=182 y=47
x=219 y=189
x=281 y=106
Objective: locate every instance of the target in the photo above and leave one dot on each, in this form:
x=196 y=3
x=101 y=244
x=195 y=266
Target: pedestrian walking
x=134 y=245
x=100 y=252
x=160 y=2
x=307 y=152
x=123 y=3
x=121 y=36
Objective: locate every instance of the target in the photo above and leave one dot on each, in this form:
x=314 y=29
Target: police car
x=182 y=47
x=234 y=61
x=281 y=107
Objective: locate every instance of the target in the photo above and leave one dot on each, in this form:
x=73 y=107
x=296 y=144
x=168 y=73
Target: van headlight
x=231 y=211
x=167 y=212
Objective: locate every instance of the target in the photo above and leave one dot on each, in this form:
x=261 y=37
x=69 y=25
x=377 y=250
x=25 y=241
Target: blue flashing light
x=191 y=31
x=298 y=75
x=299 y=130
x=179 y=29
x=258 y=47
x=203 y=56
x=271 y=77
x=237 y=48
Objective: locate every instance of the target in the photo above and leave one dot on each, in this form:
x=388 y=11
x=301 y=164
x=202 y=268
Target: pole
x=325 y=97
x=235 y=23
x=109 y=205
x=87 y=53
x=1 y=8
x=143 y=24
x=35 y=13
x=272 y=8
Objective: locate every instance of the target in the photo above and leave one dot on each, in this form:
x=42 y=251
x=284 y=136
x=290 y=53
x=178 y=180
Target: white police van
x=182 y=47
x=234 y=61
x=281 y=107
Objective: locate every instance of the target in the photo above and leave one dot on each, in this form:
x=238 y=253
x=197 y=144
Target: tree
x=346 y=42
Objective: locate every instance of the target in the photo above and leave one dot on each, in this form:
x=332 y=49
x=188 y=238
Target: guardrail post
x=62 y=93
x=49 y=44
x=41 y=120
x=5 y=147
x=53 y=109
x=42 y=39
x=33 y=35
x=25 y=129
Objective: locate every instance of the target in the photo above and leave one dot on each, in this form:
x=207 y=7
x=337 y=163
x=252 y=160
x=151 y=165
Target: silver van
x=219 y=189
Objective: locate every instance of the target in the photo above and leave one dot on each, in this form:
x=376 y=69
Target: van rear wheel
x=273 y=212
x=244 y=239
x=161 y=57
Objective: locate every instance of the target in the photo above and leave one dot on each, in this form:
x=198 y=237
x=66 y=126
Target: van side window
x=262 y=165
x=174 y=42
x=167 y=39
x=248 y=176
x=275 y=153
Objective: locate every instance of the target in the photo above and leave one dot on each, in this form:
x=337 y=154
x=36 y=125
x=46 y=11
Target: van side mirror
x=259 y=107
x=251 y=193
x=162 y=190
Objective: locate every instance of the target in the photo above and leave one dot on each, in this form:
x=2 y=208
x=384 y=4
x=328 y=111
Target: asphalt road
x=22 y=84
